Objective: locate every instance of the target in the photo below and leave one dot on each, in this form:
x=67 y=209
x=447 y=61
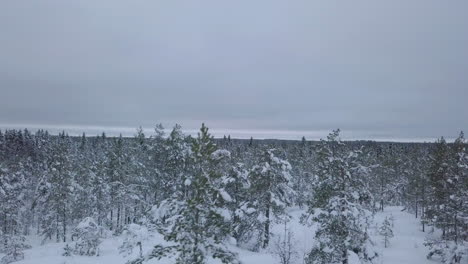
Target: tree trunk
x=381 y=194
x=345 y=257
x=118 y=218
x=195 y=247
x=455 y=228
x=266 y=241
x=416 y=209
x=64 y=225
x=57 y=238
x=5 y=229
x=111 y=219
x=423 y=216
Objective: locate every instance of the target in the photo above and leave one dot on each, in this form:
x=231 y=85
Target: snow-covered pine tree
x=176 y=159
x=141 y=138
x=55 y=191
x=88 y=237
x=12 y=188
x=385 y=174
x=118 y=173
x=386 y=231
x=157 y=159
x=392 y=220
x=195 y=220
x=448 y=251
x=99 y=189
x=285 y=246
x=14 y=248
x=417 y=182
x=302 y=163
x=134 y=235
x=243 y=216
x=82 y=198
x=338 y=206
x=460 y=200
x=449 y=184
x=271 y=188
x=457 y=185
x=136 y=187
x=438 y=194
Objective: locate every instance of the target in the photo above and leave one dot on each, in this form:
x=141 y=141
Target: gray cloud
x=378 y=69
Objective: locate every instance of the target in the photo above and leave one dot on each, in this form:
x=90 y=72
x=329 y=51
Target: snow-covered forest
x=175 y=198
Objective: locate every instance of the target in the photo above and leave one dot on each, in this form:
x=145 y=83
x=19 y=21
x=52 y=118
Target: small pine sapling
x=67 y=251
x=14 y=249
x=392 y=220
x=133 y=237
x=88 y=234
x=386 y=231
x=284 y=247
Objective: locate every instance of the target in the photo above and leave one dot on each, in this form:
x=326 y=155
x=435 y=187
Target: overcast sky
x=376 y=69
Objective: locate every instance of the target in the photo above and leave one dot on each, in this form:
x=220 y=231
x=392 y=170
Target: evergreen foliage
x=202 y=197
x=386 y=231
x=338 y=205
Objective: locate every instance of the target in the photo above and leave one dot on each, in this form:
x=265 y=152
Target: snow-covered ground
x=405 y=248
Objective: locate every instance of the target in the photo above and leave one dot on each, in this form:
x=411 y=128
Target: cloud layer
x=380 y=69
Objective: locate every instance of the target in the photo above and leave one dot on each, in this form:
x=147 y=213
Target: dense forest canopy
x=200 y=191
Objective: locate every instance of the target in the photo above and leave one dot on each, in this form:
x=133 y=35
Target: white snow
x=225 y=195
x=220 y=154
x=86 y=223
x=187 y=182
x=405 y=248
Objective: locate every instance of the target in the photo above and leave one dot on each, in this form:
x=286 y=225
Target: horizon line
x=259 y=134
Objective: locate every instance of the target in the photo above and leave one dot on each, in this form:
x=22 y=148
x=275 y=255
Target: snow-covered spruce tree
x=194 y=221
x=272 y=191
x=385 y=230
x=338 y=206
